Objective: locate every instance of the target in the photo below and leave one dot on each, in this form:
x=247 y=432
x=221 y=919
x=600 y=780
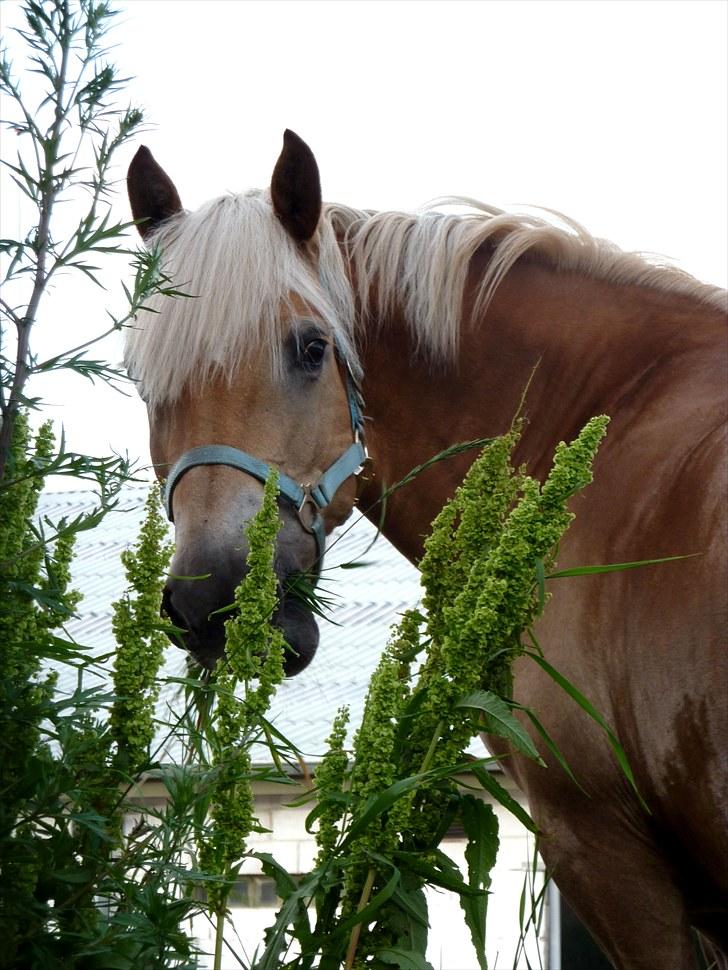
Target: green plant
x=76 y=889
x=383 y=810
x=68 y=134
x=72 y=890
x=481 y=593
x=254 y=654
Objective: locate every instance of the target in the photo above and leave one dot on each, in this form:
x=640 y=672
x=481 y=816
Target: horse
x=437 y=321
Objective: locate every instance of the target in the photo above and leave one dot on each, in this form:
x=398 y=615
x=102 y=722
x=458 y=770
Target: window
x=254 y=892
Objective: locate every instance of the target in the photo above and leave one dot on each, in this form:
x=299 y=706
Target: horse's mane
x=421 y=262
x=242 y=267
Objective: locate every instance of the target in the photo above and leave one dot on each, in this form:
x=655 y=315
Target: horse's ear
x=152 y=194
x=296 y=188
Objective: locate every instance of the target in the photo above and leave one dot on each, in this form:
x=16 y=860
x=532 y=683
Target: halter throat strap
x=308 y=500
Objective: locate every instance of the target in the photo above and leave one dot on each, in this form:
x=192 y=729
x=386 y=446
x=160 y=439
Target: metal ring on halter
x=307 y=500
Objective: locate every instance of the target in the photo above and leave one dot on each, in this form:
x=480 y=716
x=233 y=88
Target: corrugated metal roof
x=367 y=602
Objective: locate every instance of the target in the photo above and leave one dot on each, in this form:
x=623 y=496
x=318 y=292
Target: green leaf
x=481 y=827
x=372 y=907
x=408 y=718
x=405 y=959
x=499 y=720
x=335 y=798
x=275 y=733
x=550 y=744
x=292 y=912
x=443 y=455
x=501 y=795
x=285 y=883
x=594 y=714
x=616 y=567
x=379 y=804
x=414 y=904
x=446 y=875
x=408 y=916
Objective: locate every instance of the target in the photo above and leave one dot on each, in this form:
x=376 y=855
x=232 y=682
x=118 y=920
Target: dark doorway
x=578 y=949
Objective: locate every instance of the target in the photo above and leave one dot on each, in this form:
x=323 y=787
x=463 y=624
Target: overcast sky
x=611 y=112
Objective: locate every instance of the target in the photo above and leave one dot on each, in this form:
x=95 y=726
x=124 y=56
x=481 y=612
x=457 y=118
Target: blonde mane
x=242 y=267
x=420 y=263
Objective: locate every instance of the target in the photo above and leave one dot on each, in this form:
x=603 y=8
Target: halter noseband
x=303 y=498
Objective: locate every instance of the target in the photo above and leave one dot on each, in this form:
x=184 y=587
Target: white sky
x=614 y=113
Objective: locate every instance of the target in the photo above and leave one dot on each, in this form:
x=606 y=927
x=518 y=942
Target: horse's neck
x=586 y=346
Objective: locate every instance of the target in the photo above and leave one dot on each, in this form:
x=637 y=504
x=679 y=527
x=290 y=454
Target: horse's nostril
x=191 y=608
x=172 y=614
x=199 y=610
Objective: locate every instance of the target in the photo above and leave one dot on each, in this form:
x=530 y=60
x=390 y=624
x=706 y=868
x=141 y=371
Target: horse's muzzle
x=193 y=607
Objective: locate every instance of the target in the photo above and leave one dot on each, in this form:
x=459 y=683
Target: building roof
x=367 y=602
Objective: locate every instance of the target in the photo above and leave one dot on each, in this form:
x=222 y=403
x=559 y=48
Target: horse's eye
x=313 y=353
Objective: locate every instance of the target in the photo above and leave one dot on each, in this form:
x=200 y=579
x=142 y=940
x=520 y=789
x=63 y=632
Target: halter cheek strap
x=307 y=499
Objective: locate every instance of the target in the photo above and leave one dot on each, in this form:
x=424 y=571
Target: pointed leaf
x=414 y=903
x=501 y=795
x=335 y=798
x=550 y=744
x=405 y=959
x=373 y=906
x=498 y=719
x=594 y=714
x=379 y=804
x=481 y=827
x=615 y=567
x=444 y=876
x=292 y=912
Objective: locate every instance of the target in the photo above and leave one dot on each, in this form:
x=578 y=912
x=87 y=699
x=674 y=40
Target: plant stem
x=42 y=245
x=356 y=931
x=219 y=938
x=371 y=875
x=433 y=744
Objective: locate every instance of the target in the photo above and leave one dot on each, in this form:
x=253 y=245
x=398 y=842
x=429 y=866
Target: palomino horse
x=442 y=319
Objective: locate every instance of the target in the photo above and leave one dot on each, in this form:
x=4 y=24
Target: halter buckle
x=359 y=440
x=308 y=500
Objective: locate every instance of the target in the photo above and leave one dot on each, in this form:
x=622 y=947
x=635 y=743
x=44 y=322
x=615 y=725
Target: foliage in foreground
x=382 y=809
x=74 y=890
x=383 y=812
x=79 y=887
x=100 y=883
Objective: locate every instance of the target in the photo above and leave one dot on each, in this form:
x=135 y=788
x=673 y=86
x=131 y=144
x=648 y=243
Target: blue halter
x=308 y=500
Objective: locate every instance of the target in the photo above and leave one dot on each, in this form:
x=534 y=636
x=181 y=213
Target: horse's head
x=254 y=369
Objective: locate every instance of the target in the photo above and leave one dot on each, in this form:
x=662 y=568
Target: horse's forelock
x=240 y=269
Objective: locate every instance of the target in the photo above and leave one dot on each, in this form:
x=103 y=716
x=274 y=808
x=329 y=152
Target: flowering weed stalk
x=382 y=816
x=254 y=665
x=35 y=599
x=141 y=640
x=72 y=883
